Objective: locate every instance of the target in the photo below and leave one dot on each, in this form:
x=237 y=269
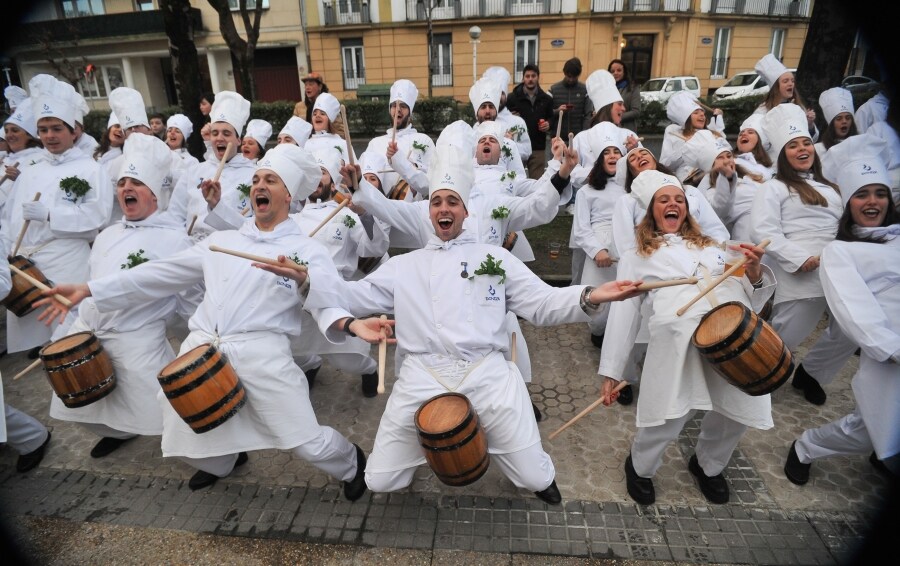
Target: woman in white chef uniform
x=798 y=210
x=25 y=151
x=134 y=337
x=859 y=273
x=323 y=138
x=178 y=129
x=62 y=223
x=676 y=381
x=688 y=118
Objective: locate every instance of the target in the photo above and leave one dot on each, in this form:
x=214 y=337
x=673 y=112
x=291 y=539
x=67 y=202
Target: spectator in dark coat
x=571 y=94
x=535 y=106
x=630 y=91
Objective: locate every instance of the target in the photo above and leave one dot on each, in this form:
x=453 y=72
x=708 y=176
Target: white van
x=660 y=89
x=748 y=83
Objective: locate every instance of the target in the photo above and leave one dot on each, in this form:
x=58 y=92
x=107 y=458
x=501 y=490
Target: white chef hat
x=489 y=128
x=755 y=122
x=328 y=104
x=260 y=130
x=702 y=149
x=834 y=101
x=856 y=162
x=500 y=76
x=406 y=92
x=782 y=124
x=375 y=163
x=680 y=107
x=14 y=96
x=181 y=122
x=604 y=135
x=459 y=134
x=330 y=161
x=128 y=104
x=451 y=169
x=298 y=128
x=23 y=117
x=297 y=168
x=51 y=98
x=231 y=108
x=145 y=158
x=601 y=88
x=648 y=182
x=484 y=90
x=81 y=109
x=770 y=68
x=112 y=121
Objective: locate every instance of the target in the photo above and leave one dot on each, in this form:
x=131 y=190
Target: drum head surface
x=67 y=343
x=442 y=413
x=185 y=359
x=719 y=323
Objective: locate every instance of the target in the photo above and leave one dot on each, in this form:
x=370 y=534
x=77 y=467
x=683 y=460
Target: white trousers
x=24 y=433
x=351 y=363
x=330 y=452
x=794 y=321
x=719 y=436
x=105 y=431
x=530 y=468
x=846 y=436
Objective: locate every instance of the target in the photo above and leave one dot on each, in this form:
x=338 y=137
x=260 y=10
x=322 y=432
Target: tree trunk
x=186 y=66
x=829 y=41
x=243 y=51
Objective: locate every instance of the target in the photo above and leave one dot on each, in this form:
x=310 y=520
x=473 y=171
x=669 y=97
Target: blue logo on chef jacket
x=338 y=235
x=493 y=232
x=492 y=294
x=284 y=282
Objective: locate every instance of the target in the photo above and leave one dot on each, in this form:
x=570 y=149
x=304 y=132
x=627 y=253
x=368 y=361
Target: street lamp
x=475 y=33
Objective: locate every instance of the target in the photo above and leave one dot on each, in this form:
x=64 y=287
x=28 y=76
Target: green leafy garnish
x=297 y=260
x=508 y=175
x=75 y=186
x=244 y=189
x=135 y=259
x=420 y=146
x=499 y=212
x=506 y=151
x=349 y=222
x=491 y=267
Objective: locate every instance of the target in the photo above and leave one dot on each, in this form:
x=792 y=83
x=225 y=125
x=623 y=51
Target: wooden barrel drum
x=79 y=369
x=453 y=439
x=23 y=294
x=202 y=387
x=509 y=242
x=400 y=190
x=743 y=349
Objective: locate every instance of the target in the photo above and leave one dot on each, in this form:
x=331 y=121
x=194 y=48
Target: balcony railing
x=343 y=12
x=352 y=82
x=601 y=6
x=442 y=80
x=457 y=9
x=795 y=8
x=102 y=26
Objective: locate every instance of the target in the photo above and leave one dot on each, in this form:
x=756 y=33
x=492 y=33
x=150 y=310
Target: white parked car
x=660 y=89
x=748 y=83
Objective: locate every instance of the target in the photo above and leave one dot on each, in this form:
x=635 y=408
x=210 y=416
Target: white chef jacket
x=860 y=281
x=589 y=151
x=798 y=231
x=675 y=378
x=135 y=336
x=26 y=158
x=323 y=141
x=60 y=247
x=5 y=287
x=410 y=162
x=672 y=153
x=732 y=201
x=515 y=126
x=887 y=133
x=249 y=313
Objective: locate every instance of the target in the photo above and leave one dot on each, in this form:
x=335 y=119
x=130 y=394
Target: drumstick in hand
x=351 y=159
x=622 y=384
x=37 y=197
x=737 y=265
x=25 y=371
x=40 y=285
x=5 y=177
x=670 y=283
x=225 y=157
x=258 y=258
x=331 y=215
x=559 y=124
x=191 y=226
x=512 y=348
x=382 y=356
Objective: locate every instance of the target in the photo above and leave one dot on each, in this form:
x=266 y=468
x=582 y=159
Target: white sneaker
x=570 y=210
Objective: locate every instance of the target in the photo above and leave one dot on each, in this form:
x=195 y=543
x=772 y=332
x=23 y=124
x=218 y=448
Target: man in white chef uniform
x=135 y=336
x=248 y=315
x=450 y=302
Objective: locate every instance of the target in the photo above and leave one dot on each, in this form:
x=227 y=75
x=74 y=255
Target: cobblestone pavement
x=277 y=497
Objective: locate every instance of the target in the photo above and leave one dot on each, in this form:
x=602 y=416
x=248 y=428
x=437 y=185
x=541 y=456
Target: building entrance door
x=638 y=56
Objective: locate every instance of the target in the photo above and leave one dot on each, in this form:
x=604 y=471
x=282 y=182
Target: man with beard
x=485 y=98
x=535 y=106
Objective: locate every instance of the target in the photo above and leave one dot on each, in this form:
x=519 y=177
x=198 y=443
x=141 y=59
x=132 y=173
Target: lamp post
x=475 y=33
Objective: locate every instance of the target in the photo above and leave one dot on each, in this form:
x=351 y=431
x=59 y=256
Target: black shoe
x=370 y=384
x=597 y=340
x=812 y=391
x=795 y=470
x=311 y=375
x=714 y=488
x=626 y=395
x=640 y=489
x=204 y=479
x=32 y=459
x=34 y=353
x=537 y=413
x=550 y=495
x=107 y=446
x=355 y=488
x=879 y=465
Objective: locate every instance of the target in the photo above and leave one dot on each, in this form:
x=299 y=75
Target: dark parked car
x=862 y=88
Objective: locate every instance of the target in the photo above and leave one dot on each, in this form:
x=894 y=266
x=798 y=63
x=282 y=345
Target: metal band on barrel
x=453 y=432
x=452 y=447
x=87 y=391
x=215 y=406
x=64 y=353
x=165 y=380
x=197 y=381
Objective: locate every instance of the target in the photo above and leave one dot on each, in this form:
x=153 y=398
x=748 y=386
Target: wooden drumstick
x=351 y=159
x=191 y=226
x=737 y=265
x=559 y=124
x=512 y=348
x=37 y=197
x=25 y=371
x=622 y=384
x=40 y=285
x=669 y=283
x=331 y=215
x=225 y=157
x=382 y=356
x=245 y=211
x=5 y=177
x=259 y=258
x=393 y=125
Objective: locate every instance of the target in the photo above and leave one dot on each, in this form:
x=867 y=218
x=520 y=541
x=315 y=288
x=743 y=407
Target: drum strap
x=450 y=373
x=30 y=251
x=708 y=280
